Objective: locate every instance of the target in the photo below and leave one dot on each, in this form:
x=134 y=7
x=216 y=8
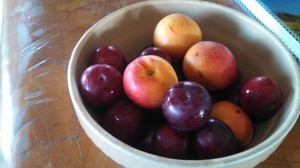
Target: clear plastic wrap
x=38 y=126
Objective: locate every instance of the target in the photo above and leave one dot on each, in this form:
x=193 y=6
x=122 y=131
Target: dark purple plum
x=124 y=120
x=214 y=140
x=108 y=54
x=261 y=97
x=177 y=65
x=186 y=106
x=154 y=121
x=145 y=142
x=169 y=142
x=156 y=51
x=101 y=85
x=230 y=93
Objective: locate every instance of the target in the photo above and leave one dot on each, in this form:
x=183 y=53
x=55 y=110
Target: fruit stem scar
x=150 y=72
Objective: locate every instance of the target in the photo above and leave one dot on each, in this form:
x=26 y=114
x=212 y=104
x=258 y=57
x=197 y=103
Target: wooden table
x=38 y=124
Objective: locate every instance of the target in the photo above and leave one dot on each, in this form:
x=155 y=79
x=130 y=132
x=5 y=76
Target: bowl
x=257 y=51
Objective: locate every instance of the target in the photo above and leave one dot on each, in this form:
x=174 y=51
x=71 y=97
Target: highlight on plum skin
x=261 y=97
x=187 y=106
x=111 y=55
x=124 y=120
x=169 y=142
x=101 y=85
x=214 y=140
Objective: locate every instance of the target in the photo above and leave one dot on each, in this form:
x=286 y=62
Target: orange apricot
x=176 y=33
x=236 y=119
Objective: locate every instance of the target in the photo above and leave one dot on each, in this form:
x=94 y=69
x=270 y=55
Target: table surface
x=38 y=125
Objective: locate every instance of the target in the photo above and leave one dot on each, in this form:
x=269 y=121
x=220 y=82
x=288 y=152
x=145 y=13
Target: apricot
x=210 y=64
x=176 y=33
x=147 y=79
x=236 y=119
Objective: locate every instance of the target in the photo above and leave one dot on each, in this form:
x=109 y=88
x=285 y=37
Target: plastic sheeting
x=38 y=127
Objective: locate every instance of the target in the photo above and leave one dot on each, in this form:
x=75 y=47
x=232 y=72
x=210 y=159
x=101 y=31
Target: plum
x=214 y=140
x=124 y=120
x=156 y=51
x=177 y=65
x=236 y=119
x=169 y=142
x=186 y=106
x=101 y=85
x=261 y=97
x=111 y=55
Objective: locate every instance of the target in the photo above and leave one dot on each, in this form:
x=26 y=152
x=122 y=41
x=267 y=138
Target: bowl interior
x=258 y=52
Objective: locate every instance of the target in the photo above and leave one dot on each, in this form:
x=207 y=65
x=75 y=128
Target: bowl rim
x=85 y=117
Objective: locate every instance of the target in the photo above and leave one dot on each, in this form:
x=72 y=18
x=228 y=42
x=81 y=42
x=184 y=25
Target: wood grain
x=38 y=124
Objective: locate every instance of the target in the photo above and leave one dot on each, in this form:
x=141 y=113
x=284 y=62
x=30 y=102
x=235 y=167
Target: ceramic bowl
x=257 y=51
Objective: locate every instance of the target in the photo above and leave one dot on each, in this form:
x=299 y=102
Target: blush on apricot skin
x=210 y=64
x=147 y=79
